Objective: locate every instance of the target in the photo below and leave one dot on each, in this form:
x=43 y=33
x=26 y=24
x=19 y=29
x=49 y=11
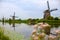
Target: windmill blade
x=48 y=5
x=53 y=10
x=14 y=13
x=16 y=17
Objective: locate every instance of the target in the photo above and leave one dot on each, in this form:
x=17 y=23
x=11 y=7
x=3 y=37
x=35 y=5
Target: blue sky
x=25 y=9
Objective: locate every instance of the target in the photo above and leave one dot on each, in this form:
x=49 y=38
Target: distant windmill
x=3 y=20
x=48 y=11
x=13 y=20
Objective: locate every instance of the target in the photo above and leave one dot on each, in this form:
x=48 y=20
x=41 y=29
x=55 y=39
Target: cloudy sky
x=28 y=8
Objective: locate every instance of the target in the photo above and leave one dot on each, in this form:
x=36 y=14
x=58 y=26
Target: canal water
x=24 y=29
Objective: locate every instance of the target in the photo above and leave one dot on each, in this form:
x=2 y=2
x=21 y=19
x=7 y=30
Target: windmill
x=13 y=20
x=3 y=20
x=47 y=12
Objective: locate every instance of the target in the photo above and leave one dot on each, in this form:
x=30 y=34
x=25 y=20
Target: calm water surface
x=24 y=29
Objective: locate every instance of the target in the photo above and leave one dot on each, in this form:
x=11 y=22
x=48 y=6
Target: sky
x=25 y=9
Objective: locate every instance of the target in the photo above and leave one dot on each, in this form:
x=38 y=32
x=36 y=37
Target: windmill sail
x=53 y=10
x=48 y=5
x=48 y=11
x=14 y=13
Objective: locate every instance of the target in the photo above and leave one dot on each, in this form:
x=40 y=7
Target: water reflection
x=25 y=29
x=3 y=21
x=22 y=28
x=10 y=21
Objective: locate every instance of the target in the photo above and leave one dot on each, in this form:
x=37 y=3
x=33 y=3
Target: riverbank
x=10 y=35
x=32 y=21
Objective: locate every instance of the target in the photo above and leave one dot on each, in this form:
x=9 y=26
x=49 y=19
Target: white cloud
x=7 y=9
x=27 y=8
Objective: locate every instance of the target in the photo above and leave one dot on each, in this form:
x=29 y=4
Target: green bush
x=2 y=36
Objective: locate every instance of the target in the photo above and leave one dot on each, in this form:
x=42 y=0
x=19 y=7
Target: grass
x=9 y=35
x=2 y=36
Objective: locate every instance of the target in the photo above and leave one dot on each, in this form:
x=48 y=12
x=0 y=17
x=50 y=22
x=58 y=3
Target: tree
x=50 y=18
x=56 y=18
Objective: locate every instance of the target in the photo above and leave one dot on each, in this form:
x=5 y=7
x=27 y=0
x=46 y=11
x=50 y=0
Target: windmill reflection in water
x=13 y=20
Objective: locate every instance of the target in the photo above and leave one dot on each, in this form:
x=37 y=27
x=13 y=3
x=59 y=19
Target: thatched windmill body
x=48 y=11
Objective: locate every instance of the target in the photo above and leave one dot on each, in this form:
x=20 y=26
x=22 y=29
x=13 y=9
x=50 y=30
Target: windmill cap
x=46 y=11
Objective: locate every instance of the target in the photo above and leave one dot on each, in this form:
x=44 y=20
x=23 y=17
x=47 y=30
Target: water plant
x=6 y=34
x=2 y=36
